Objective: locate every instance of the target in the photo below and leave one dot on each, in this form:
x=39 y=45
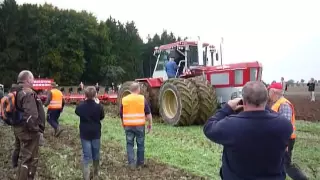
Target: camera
x=241 y=109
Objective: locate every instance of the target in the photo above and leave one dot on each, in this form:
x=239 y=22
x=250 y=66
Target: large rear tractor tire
x=207 y=99
x=144 y=90
x=154 y=100
x=178 y=102
x=123 y=91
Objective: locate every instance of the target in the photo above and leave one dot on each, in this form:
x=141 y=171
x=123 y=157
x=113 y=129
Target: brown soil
x=305 y=110
x=113 y=160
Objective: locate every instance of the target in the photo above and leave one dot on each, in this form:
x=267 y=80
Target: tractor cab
x=195 y=58
x=186 y=54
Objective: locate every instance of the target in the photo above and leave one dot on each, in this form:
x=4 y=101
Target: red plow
x=41 y=86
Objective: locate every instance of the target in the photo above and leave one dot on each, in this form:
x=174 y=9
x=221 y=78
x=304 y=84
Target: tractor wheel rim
x=170 y=103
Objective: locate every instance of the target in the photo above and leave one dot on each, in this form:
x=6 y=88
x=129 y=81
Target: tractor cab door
x=159 y=70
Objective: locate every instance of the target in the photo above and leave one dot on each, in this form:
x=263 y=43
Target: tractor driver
x=171 y=68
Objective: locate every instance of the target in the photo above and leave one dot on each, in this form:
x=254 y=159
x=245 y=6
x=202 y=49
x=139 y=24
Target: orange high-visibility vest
x=133 y=110
x=276 y=107
x=56 y=99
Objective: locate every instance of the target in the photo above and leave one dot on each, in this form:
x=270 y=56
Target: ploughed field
x=171 y=152
x=305 y=110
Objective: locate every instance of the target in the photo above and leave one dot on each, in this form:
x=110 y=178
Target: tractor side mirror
x=156 y=51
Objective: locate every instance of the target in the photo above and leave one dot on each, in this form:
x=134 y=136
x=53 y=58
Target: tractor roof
x=180 y=43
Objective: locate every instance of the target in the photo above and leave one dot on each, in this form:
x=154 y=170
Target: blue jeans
x=137 y=132
x=90 y=150
x=53 y=116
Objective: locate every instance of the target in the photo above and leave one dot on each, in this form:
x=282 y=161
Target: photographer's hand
x=235 y=104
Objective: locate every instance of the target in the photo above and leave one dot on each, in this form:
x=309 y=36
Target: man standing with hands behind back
x=254 y=140
x=286 y=109
x=134 y=111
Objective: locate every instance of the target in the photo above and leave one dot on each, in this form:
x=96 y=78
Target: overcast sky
x=283 y=35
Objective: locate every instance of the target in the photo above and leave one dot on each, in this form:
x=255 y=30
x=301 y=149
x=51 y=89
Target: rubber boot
x=58 y=131
x=32 y=173
x=15 y=159
x=95 y=170
x=41 y=140
x=23 y=172
x=86 y=172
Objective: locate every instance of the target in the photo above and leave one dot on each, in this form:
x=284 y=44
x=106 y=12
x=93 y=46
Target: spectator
x=311 y=87
x=286 y=109
x=27 y=127
x=1 y=92
x=254 y=140
x=16 y=150
x=134 y=111
x=81 y=87
x=284 y=86
x=55 y=104
x=97 y=88
x=90 y=113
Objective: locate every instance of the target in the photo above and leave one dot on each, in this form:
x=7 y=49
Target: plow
x=41 y=86
x=198 y=90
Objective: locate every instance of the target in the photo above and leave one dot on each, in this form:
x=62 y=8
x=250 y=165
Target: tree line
x=71 y=46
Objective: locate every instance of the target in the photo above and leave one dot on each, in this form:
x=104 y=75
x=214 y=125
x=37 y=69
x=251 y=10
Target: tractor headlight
x=236 y=94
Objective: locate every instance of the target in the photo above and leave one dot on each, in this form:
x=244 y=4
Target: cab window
x=253 y=74
x=193 y=58
x=163 y=59
x=260 y=74
x=220 y=78
x=238 y=77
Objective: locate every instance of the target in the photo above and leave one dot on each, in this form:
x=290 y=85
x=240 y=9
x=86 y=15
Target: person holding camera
x=254 y=140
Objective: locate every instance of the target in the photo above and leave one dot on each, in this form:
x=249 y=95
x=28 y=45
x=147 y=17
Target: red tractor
x=199 y=87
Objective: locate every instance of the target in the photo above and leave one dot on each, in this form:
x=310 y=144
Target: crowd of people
x=24 y=111
x=257 y=131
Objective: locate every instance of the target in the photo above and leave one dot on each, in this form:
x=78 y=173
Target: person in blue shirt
x=254 y=141
x=171 y=68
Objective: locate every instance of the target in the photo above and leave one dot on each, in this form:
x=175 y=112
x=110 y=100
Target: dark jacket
x=90 y=114
x=311 y=86
x=254 y=143
x=33 y=116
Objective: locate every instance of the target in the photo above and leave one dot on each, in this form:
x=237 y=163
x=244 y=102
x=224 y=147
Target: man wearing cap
x=55 y=104
x=284 y=107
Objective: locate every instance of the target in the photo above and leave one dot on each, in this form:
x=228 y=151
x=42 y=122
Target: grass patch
x=188 y=149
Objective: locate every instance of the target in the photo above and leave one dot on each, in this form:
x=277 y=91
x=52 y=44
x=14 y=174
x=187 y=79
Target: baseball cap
x=275 y=85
